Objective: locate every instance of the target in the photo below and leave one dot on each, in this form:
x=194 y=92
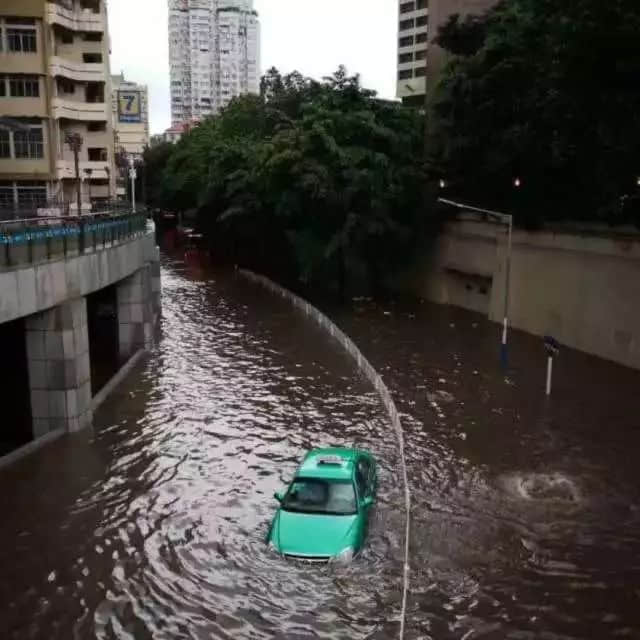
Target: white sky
x=312 y=36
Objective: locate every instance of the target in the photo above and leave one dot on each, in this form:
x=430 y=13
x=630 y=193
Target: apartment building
x=130 y=107
x=420 y=60
x=54 y=83
x=439 y=13
x=413 y=35
x=213 y=55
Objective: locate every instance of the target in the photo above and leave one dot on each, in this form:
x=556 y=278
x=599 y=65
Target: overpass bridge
x=79 y=297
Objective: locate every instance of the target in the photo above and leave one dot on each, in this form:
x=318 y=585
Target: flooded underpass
x=153 y=524
x=526 y=512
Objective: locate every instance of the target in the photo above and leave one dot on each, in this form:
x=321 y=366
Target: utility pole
x=507 y=220
x=132 y=175
x=89 y=172
x=75 y=141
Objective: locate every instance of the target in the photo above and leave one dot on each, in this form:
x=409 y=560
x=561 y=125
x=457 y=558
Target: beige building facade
x=54 y=82
x=420 y=60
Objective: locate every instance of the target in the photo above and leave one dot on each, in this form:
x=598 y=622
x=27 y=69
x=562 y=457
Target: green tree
x=548 y=92
x=310 y=180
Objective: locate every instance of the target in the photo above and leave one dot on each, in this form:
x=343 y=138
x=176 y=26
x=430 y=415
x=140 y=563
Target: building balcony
x=75 y=20
x=66 y=170
x=85 y=111
x=411 y=87
x=78 y=71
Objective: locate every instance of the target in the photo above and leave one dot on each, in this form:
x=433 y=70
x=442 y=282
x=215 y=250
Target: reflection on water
x=526 y=519
x=153 y=526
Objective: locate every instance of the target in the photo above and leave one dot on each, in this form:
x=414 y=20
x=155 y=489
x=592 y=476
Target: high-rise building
x=214 y=55
x=420 y=60
x=130 y=106
x=413 y=24
x=55 y=94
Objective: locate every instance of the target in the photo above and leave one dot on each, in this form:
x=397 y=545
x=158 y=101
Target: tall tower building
x=420 y=60
x=214 y=55
x=55 y=88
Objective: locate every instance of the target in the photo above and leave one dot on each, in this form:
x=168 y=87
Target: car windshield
x=332 y=497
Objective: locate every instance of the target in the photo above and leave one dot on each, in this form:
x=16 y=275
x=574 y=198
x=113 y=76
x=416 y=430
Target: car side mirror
x=278 y=496
x=367 y=502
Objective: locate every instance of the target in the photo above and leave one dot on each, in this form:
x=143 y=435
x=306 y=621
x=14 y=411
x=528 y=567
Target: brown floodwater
x=526 y=511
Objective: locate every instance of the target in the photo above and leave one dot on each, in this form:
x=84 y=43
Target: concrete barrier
x=376 y=380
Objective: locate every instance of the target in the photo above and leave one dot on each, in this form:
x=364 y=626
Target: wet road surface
x=526 y=512
x=153 y=526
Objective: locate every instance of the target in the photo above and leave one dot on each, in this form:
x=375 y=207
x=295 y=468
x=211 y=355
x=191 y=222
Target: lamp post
x=74 y=140
x=89 y=172
x=132 y=175
x=507 y=220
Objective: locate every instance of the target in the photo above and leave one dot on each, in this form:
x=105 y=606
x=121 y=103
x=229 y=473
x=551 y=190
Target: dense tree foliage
x=319 y=179
x=548 y=92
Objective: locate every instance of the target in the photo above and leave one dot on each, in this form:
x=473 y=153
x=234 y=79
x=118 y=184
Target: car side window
x=362 y=478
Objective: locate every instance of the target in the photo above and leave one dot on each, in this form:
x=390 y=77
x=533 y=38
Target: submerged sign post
x=129 y=106
x=552 y=348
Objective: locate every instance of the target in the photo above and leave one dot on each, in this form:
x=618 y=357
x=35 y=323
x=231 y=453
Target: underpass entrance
x=16 y=427
x=102 y=316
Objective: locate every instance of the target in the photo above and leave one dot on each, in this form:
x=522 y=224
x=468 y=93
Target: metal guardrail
x=33 y=240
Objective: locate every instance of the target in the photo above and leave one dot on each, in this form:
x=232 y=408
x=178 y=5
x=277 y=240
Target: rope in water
x=372 y=375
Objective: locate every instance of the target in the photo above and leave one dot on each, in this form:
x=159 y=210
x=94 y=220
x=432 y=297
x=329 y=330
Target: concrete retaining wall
x=582 y=287
x=376 y=380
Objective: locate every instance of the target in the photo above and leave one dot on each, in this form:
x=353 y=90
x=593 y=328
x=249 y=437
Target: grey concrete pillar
x=59 y=368
x=135 y=313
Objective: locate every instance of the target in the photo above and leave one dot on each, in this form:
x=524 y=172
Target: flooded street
x=526 y=511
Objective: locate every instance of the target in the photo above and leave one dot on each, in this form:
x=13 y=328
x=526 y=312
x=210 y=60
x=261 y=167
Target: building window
x=420 y=72
x=421 y=37
x=97 y=154
x=422 y=21
x=421 y=55
x=67 y=37
x=24 y=86
x=407 y=24
x=406 y=41
x=405 y=74
x=31 y=194
x=6 y=195
x=66 y=86
x=21 y=40
x=96 y=126
x=407 y=7
x=29 y=144
x=92 y=58
x=422 y=4
x=5 y=144
x=92 y=37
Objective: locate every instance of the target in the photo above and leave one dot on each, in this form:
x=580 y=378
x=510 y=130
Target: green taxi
x=323 y=516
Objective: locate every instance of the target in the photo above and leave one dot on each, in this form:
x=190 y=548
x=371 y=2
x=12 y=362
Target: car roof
x=330 y=464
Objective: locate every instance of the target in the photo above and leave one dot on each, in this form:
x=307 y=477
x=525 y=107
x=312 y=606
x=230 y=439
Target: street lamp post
x=132 y=175
x=507 y=220
x=74 y=140
x=89 y=172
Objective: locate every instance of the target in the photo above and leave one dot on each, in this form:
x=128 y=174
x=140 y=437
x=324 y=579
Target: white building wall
x=214 y=55
x=413 y=30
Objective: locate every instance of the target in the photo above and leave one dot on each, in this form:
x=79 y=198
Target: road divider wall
x=376 y=380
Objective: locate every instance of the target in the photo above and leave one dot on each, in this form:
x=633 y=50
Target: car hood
x=311 y=534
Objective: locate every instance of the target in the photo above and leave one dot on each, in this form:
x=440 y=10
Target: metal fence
x=32 y=240
x=57 y=208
